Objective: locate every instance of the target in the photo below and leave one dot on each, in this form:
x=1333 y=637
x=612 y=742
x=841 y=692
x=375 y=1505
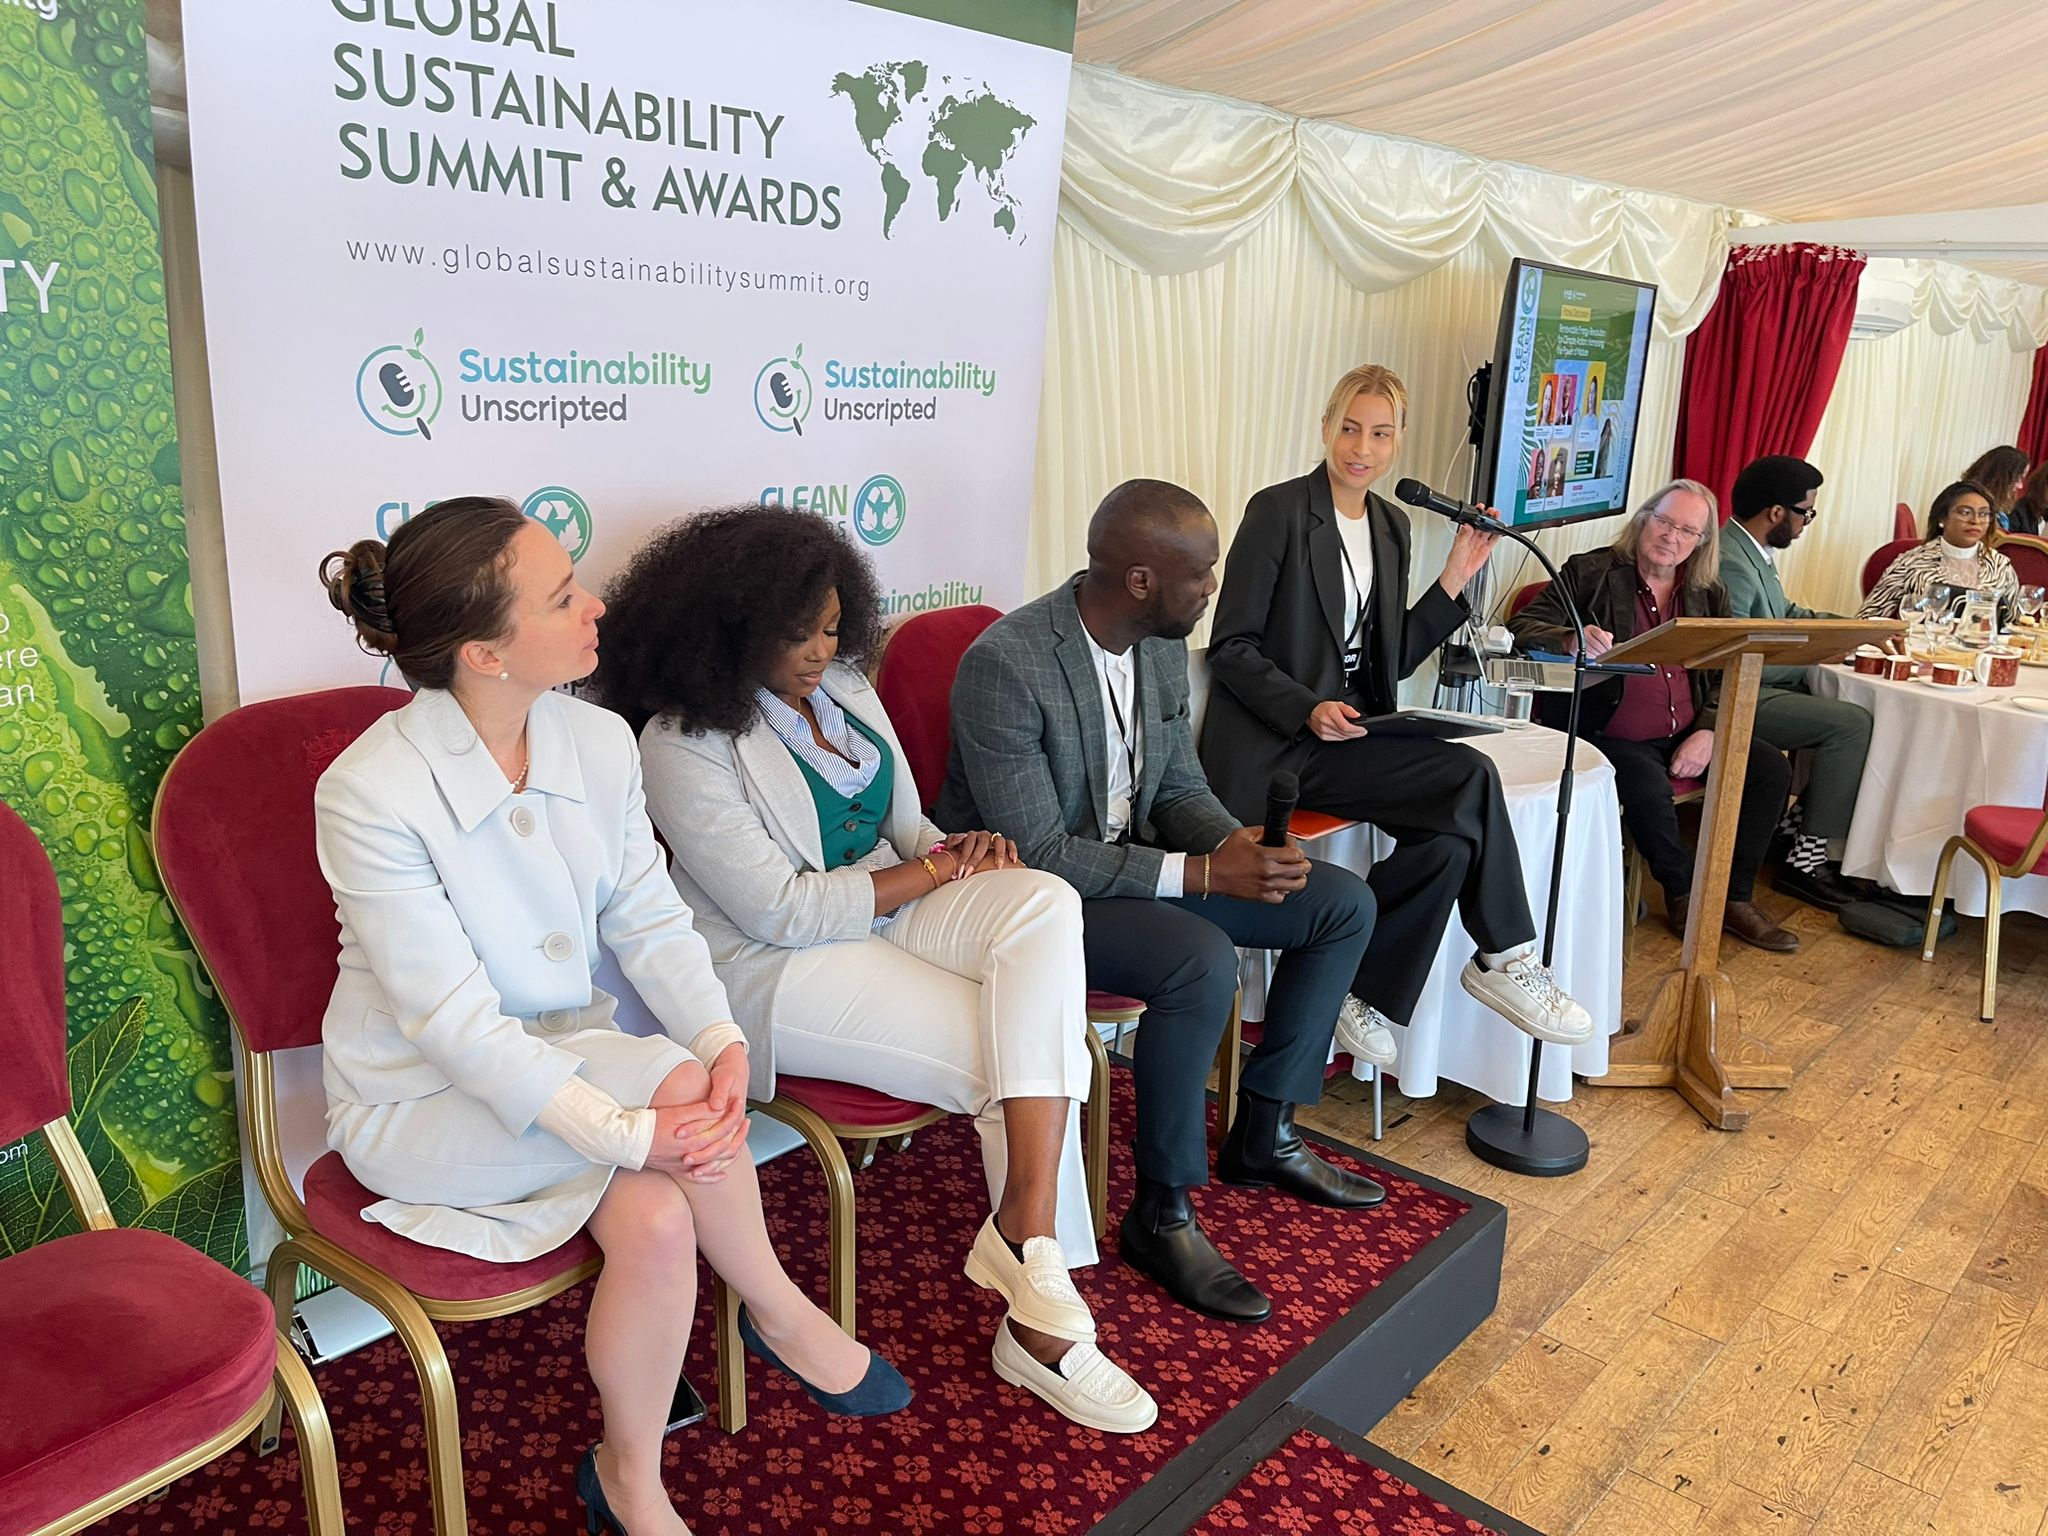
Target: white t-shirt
x=1356 y=532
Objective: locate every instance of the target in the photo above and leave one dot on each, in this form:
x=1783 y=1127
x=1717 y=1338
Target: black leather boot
x=1264 y=1150
x=1161 y=1238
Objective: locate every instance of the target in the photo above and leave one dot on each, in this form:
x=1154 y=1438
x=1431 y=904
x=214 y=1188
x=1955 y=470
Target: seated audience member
x=1954 y=555
x=1658 y=728
x=2029 y=514
x=482 y=842
x=857 y=941
x=1773 y=506
x=1314 y=633
x=1070 y=736
x=2003 y=474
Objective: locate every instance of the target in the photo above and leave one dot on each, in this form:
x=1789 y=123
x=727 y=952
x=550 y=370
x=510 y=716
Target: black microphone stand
x=1527 y=1138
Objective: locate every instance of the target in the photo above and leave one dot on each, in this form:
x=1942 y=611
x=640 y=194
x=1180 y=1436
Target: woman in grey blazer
x=856 y=940
x=482 y=843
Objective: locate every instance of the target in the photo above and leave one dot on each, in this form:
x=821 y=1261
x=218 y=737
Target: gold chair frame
x=1993 y=873
x=291 y=1390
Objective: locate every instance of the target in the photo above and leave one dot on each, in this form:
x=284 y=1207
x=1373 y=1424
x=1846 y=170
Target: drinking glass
x=2032 y=601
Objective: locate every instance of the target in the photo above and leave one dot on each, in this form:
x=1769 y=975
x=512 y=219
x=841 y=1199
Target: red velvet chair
x=1524 y=596
x=234 y=842
x=1905 y=526
x=915 y=680
x=1881 y=559
x=2006 y=841
x=129 y=1359
x=2029 y=556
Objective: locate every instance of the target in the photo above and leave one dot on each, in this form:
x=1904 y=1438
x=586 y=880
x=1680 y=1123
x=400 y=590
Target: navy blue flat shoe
x=882 y=1390
x=598 y=1519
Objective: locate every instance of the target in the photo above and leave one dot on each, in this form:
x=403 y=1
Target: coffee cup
x=1951 y=674
x=1900 y=669
x=1868 y=660
x=1999 y=667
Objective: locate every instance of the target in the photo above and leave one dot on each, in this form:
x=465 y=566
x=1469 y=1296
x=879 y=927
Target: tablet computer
x=1443 y=724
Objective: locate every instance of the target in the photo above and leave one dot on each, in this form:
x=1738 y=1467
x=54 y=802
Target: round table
x=1934 y=753
x=1454 y=1035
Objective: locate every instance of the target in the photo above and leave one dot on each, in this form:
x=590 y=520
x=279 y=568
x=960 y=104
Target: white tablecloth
x=1935 y=753
x=1452 y=1034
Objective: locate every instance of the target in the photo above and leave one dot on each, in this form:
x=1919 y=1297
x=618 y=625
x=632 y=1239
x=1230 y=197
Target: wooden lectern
x=1691 y=1038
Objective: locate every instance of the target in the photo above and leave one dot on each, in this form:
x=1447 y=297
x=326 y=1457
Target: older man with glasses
x=1773 y=505
x=1659 y=728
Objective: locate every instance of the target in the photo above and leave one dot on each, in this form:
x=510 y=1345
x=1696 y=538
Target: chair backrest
x=234 y=842
x=915 y=682
x=2029 y=557
x=1524 y=596
x=1880 y=561
x=36 y=1088
x=1904 y=524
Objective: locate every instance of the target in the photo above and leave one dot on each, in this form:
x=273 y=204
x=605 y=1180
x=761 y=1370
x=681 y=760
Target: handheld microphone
x=1416 y=494
x=1282 y=794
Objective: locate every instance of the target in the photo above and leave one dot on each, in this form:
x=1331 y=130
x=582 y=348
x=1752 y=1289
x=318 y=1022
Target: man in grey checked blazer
x=1071 y=737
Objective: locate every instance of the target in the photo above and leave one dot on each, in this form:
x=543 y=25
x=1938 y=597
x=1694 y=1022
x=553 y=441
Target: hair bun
x=354 y=578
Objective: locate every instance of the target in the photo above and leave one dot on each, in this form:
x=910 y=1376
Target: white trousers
x=974 y=994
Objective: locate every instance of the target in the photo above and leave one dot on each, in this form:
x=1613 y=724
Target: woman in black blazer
x=1313 y=633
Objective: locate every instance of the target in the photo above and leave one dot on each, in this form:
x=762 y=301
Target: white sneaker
x=1038 y=1287
x=1524 y=992
x=1364 y=1033
x=1088 y=1387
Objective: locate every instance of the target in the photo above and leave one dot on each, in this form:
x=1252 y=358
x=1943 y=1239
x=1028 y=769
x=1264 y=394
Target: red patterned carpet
x=970 y=1457
x=1309 y=1487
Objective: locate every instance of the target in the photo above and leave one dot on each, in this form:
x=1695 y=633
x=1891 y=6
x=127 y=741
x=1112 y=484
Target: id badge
x=1354 y=658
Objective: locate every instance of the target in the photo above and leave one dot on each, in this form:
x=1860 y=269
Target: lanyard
x=1124 y=733
x=1351 y=639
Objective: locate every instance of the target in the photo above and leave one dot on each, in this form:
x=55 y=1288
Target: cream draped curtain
x=1909 y=413
x=1217 y=266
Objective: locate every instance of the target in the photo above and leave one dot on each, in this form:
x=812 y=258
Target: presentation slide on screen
x=1572 y=383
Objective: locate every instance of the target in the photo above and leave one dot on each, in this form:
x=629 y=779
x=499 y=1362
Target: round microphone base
x=1550 y=1148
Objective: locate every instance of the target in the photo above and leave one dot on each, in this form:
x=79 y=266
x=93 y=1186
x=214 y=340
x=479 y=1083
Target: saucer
x=2031 y=705
x=1967 y=685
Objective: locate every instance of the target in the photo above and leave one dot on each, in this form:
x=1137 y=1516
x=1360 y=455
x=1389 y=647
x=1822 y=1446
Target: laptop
x=1525 y=672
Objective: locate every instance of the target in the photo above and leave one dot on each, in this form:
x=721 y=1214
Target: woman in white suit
x=482 y=843
x=857 y=941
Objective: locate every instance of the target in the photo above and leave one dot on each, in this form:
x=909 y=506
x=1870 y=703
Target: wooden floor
x=1832 y=1322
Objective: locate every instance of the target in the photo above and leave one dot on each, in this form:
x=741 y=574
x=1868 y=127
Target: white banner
x=619 y=261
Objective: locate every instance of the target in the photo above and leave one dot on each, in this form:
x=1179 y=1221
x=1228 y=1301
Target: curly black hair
x=700 y=611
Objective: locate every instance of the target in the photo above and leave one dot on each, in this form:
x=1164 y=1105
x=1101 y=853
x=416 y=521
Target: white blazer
x=749 y=858
x=471 y=917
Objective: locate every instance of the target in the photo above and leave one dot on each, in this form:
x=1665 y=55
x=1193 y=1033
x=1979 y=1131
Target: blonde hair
x=1703 y=566
x=1370 y=379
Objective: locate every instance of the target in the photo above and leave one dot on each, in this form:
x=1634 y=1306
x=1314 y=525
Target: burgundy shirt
x=1652 y=708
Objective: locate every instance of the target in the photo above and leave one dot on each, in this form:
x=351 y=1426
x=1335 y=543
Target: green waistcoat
x=849 y=826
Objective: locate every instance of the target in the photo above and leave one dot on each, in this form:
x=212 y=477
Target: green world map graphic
x=93 y=575
x=950 y=133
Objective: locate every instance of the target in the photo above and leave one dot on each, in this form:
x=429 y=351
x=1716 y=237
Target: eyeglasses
x=1678 y=530
x=1805 y=514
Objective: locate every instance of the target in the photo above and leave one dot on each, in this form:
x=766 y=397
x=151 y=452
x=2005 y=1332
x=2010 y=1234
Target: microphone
x=399 y=391
x=1281 y=796
x=1416 y=494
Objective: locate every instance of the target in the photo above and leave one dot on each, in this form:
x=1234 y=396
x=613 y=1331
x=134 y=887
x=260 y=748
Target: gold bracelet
x=931 y=869
x=1205 y=877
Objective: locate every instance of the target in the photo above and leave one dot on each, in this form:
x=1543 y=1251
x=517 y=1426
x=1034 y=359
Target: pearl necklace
x=525 y=763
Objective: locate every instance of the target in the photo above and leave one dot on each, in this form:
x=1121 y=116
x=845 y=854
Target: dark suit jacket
x=1030 y=753
x=1603 y=584
x=1276 y=649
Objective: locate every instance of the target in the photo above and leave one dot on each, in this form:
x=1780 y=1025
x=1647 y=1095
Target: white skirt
x=453 y=1177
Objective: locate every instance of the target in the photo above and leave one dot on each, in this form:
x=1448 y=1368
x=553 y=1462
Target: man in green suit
x=1773 y=505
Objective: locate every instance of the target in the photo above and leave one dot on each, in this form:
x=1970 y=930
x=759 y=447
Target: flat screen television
x=1566 y=391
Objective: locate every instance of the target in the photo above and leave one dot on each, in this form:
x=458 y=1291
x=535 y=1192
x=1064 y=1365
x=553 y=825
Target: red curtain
x=1759 y=370
x=2034 y=425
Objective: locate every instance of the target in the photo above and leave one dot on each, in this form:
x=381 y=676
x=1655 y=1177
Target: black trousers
x=1642 y=778
x=1180 y=957
x=1454 y=846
